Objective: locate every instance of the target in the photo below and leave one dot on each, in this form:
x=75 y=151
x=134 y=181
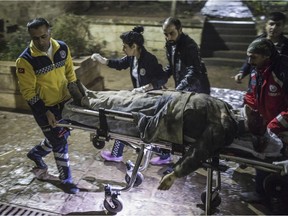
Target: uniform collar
x=54 y=46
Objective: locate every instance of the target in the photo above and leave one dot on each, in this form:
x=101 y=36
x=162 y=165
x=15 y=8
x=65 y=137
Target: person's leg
x=38 y=152
x=116 y=154
x=59 y=143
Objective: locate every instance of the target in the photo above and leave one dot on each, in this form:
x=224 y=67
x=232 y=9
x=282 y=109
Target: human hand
x=51 y=119
x=284 y=164
x=99 y=58
x=138 y=90
x=238 y=78
x=167 y=181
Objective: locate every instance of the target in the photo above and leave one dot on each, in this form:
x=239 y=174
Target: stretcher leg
x=112 y=202
x=211 y=197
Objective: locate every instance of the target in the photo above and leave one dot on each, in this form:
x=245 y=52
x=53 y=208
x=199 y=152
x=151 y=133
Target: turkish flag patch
x=21 y=70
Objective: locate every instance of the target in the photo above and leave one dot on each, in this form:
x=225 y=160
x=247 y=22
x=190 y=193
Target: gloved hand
x=138 y=90
x=167 y=181
x=285 y=166
x=238 y=77
x=99 y=58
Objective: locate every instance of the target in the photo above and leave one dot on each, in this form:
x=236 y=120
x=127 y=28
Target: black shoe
x=251 y=197
x=70 y=188
x=39 y=162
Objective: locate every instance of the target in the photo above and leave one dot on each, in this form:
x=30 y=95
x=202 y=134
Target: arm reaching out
x=167 y=181
x=99 y=58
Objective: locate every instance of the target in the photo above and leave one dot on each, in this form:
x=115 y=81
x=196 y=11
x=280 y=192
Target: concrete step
x=223 y=62
x=224 y=46
x=238 y=38
x=235 y=54
x=229 y=31
x=232 y=24
x=230 y=38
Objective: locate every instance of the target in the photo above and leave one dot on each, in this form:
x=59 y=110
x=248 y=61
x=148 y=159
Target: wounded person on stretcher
x=202 y=123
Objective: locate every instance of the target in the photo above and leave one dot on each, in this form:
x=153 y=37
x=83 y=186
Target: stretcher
x=103 y=123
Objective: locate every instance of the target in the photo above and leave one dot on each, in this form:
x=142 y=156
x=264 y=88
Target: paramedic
x=44 y=71
x=145 y=71
x=267 y=98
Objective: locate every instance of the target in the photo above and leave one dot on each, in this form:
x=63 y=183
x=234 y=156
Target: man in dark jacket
x=185 y=64
x=274 y=28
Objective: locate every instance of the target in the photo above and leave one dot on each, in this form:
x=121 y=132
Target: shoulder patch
x=21 y=70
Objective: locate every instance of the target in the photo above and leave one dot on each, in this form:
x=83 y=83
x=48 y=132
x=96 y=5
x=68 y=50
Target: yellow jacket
x=41 y=78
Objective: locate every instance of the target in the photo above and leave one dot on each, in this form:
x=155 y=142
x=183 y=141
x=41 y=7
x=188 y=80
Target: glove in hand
x=138 y=90
x=99 y=58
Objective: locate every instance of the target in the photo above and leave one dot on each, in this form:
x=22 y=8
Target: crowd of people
x=45 y=72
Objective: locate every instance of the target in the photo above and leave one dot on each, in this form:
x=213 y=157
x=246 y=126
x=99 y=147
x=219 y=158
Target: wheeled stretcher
x=169 y=120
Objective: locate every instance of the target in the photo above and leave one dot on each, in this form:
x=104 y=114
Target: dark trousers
x=55 y=140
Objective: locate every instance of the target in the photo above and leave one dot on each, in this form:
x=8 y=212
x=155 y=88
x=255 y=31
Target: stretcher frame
x=112 y=203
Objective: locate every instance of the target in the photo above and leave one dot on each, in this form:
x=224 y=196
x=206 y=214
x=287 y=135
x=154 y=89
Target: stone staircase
x=225 y=42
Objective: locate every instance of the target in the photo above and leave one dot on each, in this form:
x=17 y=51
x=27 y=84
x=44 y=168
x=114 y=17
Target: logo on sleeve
x=142 y=71
x=273 y=90
x=63 y=54
x=21 y=70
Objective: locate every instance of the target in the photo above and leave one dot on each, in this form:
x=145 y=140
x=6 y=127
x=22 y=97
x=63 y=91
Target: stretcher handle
x=254 y=163
x=119 y=114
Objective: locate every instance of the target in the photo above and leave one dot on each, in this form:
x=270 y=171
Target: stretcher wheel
x=138 y=181
x=118 y=206
x=275 y=186
x=215 y=199
x=98 y=144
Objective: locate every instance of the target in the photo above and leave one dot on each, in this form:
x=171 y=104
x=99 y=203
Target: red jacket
x=268 y=93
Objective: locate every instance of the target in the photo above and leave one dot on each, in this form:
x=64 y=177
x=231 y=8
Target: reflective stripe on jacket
x=41 y=78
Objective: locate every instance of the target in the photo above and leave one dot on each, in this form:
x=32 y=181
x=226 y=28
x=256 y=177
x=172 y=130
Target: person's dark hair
x=37 y=22
x=173 y=21
x=134 y=36
x=276 y=16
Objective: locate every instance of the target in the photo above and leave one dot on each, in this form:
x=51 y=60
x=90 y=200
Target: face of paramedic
x=257 y=60
x=130 y=50
x=274 y=28
x=41 y=37
x=171 y=33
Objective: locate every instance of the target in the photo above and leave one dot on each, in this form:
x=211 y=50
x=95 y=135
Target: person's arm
x=158 y=77
x=27 y=85
x=190 y=162
x=69 y=68
x=192 y=60
x=243 y=72
x=118 y=64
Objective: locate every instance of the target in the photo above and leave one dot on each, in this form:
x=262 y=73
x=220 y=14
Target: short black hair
x=173 y=21
x=276 y=16
x=37 y=22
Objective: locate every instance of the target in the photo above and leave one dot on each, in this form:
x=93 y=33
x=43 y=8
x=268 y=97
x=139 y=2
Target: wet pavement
x=19 y=190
